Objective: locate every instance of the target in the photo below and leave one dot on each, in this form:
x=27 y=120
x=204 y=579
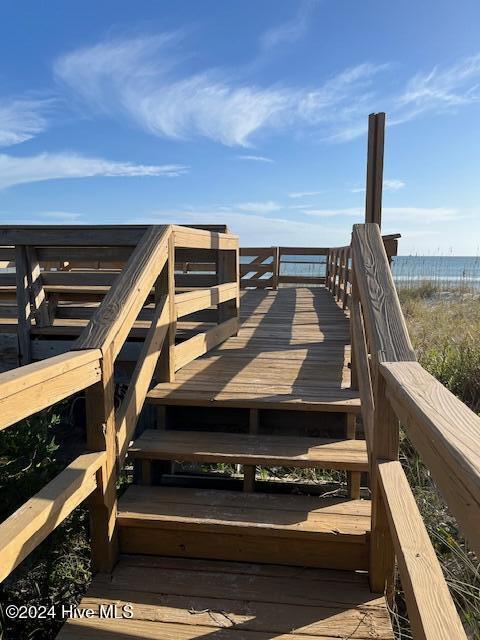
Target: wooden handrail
x=441 y=427
x=431 y=611
x=35 y=519
x=446 y=433
x=28 y=389
x=385 y=324
x=119 y=309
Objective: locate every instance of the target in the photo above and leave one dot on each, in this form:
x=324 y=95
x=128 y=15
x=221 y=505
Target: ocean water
x=408 y=271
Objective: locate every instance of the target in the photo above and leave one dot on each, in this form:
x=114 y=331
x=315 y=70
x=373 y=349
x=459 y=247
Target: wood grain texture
x=26 y=390
x=35 y=519
x=251 y=449
x=203 y=342
x=232 y=600
x=431 y=611
x=385 y=324
x=446 y=434
x=24 y=308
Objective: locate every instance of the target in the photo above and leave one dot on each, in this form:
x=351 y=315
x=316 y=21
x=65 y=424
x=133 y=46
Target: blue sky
x=246 y=113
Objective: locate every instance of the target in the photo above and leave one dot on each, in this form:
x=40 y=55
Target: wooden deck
x=292 y=351
x=179 y=599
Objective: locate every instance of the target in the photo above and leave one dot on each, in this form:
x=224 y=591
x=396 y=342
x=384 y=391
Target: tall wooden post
x=229 y=271
x=101 y=436
x=376 y=140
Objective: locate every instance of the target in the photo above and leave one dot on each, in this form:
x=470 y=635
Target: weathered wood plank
x=385 y=324
x=35 y=519
x=26 y=390
x=431 y=611
x=446 y=433
x=203 y=342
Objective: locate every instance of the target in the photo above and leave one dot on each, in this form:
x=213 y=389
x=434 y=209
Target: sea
x=445 y=272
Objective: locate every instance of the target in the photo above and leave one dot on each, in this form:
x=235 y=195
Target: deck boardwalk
x=180 y=599
x=292 y=351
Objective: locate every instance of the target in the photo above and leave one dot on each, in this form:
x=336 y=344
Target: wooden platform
x=292 y=351
x=179 y=599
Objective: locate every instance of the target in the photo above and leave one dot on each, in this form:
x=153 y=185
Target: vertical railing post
x=229 y=271
x=165 y=285
x=101 y=436
x=24 y=307
x=385 y=443
x=276 y=267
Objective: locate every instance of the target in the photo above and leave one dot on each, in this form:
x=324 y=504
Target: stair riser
x=328 y=554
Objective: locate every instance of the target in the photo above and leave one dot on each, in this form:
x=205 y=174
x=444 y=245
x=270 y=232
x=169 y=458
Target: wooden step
x=185 y=599
x=255 y=527
x=242 y=448
x=255 y=396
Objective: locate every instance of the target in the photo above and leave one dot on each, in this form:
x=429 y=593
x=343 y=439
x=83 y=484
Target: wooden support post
x=275 y=267
x=146 y=472
x=165 y=285
x=376 y=139
x=384 y=447
x=353 y=477
x=249 y=471
x=24 y=309
x=37 y=292
x=228 y=270
x=101 y=436
x=335 y=272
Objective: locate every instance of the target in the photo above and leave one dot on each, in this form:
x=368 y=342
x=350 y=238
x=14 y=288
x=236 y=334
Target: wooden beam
x=38 y=298
x=132 y=403
x=192 y=301
x=117 y=312
x=165 y=286
x=431 y=611
x=35 y=519
x=376 y=138
x=203 y=342
x=71 y=235
x=446 y=434
x=100 y=423
x=26 y=390
x=200 y=239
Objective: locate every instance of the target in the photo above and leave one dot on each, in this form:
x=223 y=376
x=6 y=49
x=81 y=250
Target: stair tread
x=184 y=599
x=255 y=396
x=241 y=448
x=236 y=512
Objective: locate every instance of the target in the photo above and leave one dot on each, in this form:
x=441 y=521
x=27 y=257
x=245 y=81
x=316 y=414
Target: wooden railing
x=264 y=267
x=89 y=366
x=394 y=388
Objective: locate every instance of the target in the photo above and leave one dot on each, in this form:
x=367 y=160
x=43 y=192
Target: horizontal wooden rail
x=39 y=516
x=201 y=239
x=192 y=301
x=28 y=389
x=446 y=433
x=203 y=342
x=431 y=611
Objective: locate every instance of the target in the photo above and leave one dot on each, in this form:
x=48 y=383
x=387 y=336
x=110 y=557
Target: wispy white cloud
x=20 y=120
x=255 y=158
x=292 y=30
x=259 y=207
x=48 y=166
x=141 y=78
x=304 y=194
